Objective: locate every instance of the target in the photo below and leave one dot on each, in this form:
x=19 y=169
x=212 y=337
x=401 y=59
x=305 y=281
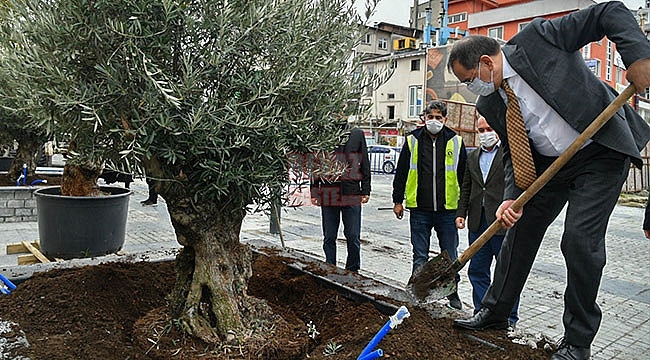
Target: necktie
x=522 y=159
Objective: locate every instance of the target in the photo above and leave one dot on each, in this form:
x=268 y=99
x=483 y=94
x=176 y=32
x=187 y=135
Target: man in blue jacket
x=429 y=172
x=558 y=97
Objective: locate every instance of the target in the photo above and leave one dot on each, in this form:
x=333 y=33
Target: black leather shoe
x=566 y=351
x=148 y=202
x=454 y=301
x=484 y=319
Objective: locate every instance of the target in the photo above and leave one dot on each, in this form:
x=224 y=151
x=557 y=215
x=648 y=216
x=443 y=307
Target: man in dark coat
x=341 y=198
x=480 y=195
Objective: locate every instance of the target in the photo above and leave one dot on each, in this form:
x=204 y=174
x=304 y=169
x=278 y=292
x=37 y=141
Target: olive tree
x=14 y=123
x=210 y=97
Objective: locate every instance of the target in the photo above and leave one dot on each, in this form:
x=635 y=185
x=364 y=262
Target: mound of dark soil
x=118 y=311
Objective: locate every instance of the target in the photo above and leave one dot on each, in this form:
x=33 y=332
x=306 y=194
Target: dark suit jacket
x=474 y=190
x=546 y=54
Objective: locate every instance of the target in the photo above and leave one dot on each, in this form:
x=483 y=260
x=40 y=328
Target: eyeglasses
x=470 y=80
x=431 y=117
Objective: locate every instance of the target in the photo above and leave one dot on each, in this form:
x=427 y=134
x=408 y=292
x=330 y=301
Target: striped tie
x=522 y=159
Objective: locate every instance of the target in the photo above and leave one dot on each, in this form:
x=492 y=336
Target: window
x=608 y=61
x=367 y=39
x=586 y=51
x=523 y=25
x=457 y=18
x=391 y=112
x=415 y=65
x=392 y=64
x=496 y=32
x=370 y=72
x=415 y=101
x=382 y=43
x=594 y=66
x=390 y=96
x=619 y=75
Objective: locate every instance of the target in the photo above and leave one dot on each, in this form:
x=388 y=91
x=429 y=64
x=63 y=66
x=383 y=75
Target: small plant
x=311 y=330
x=332 y=348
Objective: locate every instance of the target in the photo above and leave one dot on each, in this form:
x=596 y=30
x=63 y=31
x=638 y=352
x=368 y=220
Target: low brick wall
x=17 y=203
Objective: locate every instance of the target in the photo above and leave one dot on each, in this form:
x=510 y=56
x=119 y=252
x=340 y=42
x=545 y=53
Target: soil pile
x=118 y=311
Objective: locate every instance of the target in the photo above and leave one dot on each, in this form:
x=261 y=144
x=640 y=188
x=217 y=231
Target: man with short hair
x=429 y=172
x=480 y=195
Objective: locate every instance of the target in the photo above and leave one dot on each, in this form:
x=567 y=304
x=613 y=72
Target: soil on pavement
x=118 y=311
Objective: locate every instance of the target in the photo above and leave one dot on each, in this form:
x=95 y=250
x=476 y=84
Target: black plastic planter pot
x=5 y=163
x=81 y=226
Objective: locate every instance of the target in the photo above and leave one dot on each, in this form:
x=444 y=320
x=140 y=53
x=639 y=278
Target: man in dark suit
x=341 y=198
x=558 y=97
x=480 y=195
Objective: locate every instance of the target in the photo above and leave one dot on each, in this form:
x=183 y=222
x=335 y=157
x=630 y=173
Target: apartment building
x=419 y=72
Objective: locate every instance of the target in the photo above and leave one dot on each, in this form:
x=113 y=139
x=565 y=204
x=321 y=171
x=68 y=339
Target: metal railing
x=639 y=179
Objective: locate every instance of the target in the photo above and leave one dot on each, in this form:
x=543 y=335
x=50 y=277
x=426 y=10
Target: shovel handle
x=548 y=174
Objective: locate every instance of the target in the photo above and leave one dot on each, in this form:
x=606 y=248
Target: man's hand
x=647 y=234
x=639 y=74
x=460 y=222
x=315 y=202
x=506 y=216
x=365 y=198
x=398 y=210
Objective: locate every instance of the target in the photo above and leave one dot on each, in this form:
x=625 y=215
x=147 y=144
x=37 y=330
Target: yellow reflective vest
x=452 y=187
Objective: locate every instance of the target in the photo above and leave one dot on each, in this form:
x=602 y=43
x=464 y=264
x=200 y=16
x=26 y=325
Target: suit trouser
x=479 y=270
x=590 y=183
x=153 y=195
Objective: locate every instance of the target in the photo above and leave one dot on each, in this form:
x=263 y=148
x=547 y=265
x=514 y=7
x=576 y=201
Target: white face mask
x=488 y=139
x=434 y=126
x=480 y=87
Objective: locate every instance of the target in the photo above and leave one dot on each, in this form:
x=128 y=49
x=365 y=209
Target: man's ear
x=486 y=60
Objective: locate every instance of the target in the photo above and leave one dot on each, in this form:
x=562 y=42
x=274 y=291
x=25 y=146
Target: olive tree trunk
x=213 y=269
x=25 y=154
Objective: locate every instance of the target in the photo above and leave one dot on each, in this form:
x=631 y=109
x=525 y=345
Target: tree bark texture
x=25 y=154
x=213 y=269
x=79 y=180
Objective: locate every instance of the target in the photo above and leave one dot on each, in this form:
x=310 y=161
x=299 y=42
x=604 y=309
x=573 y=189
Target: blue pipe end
x=372 y=355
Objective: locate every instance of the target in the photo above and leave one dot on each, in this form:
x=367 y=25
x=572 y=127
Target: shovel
x=434 y=279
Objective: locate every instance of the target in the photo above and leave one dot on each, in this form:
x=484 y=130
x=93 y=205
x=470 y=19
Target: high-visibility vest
x=452 y=188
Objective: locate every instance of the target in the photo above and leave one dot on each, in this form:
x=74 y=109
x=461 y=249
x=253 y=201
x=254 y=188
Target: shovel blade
x=433 y=280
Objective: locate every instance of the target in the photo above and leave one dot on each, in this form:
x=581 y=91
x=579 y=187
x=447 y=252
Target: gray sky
x=397 y=11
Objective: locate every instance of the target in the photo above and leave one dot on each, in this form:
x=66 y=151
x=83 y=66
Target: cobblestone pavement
x=624 y=297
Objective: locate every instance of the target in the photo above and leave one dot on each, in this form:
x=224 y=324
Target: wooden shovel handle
x=547 y=175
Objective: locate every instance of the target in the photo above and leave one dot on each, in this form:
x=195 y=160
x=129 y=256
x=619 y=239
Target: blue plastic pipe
x=394 y=320
x=23 y=177
x=7 y=286
x=372 y=355
x=38 y=181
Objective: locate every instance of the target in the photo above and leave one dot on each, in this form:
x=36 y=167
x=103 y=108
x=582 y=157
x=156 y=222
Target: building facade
x=410 y=76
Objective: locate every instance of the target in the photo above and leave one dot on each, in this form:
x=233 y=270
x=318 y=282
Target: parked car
x=382 y=158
